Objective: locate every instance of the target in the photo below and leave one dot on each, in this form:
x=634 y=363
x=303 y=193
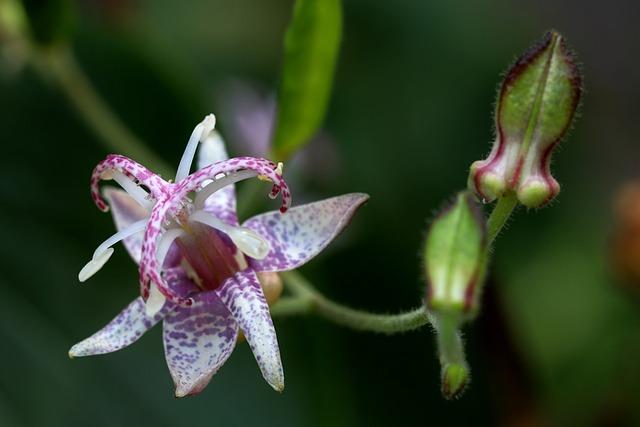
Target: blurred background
x=558 y=339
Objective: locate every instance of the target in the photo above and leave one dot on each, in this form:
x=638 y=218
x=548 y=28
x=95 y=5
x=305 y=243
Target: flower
x=198 y=267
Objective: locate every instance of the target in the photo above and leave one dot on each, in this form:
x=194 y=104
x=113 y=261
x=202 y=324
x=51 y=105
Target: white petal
x=197 y=342
x=122 y=331
x=243 y=296
x=301 y=233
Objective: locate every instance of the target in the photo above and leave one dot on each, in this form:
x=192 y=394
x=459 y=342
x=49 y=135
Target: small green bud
x=455 y=256
x=536 y=105
x=455 y=377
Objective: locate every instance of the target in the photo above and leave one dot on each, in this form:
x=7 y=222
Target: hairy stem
x=307 y=300
x=500 y=214
x=450 y=348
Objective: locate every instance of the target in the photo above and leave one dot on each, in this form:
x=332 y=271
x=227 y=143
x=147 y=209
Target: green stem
x=500 y=214
x=291 y=306
x=450 y=348
x=59 y=64
x=307 y=300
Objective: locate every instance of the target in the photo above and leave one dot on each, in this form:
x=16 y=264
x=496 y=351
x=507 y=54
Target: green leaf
x=311 y=48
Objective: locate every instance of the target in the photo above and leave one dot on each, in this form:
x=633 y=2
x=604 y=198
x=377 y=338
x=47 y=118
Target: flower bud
x=455 y=257
x=455 y=377
x=271 y=286
x=536 y=105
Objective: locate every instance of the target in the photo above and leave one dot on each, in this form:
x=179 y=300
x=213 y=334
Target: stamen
x=248 y=241
x=155 y=302
x=200 y=132
x=219 y=183
x=166 y=241
x=102 y=254
x=93 y=266
x=113 y=162
x=262 y=167
x=133 y=189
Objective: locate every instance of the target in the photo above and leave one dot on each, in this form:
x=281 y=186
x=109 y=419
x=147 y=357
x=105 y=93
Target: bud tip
x=455 y=377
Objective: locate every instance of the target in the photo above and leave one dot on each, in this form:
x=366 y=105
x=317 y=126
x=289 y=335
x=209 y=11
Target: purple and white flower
x=197 y=264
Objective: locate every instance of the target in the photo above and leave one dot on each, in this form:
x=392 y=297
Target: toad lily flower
x=198 y=267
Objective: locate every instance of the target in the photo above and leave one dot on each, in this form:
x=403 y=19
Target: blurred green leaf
x=311 y=48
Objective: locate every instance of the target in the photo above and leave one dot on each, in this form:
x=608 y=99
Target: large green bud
x=536 y=105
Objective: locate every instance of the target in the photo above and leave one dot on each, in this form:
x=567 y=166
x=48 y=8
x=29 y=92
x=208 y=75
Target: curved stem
x=59 y=64
x=307 y=300
x=500 y=214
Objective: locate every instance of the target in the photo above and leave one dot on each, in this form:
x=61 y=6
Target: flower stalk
x=454 y=368
x=307 y=300
x=500 y=215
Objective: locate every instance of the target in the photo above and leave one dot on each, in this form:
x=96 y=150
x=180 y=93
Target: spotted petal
x=303 y=231
x=122 y=331
x=222 y=203
x=125 y=211
x=197 y=342
x=243 y=296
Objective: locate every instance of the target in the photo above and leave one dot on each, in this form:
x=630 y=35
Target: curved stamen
x=166 y=241
x=155 y=302
x=133 y=189
x=102 y=254
x=149 y=266
x=157 y=186
x=219 y=183
x=248 y=241
x=266 y=170
x=198 y=135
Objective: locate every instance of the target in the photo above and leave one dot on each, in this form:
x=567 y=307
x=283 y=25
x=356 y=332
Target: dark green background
x=557 y=342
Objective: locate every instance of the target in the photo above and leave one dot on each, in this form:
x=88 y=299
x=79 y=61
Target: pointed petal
x=223 y=202
x=243 y=296
x=303 y=231
x=197 y=342
x=126 y=211
x=212 y=150
x=122 y=331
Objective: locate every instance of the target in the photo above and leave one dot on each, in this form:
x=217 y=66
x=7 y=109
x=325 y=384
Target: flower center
x=211 y=255
x=206 y=248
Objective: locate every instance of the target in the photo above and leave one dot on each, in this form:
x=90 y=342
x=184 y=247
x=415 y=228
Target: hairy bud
x=536 y=105
x=455 y=257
